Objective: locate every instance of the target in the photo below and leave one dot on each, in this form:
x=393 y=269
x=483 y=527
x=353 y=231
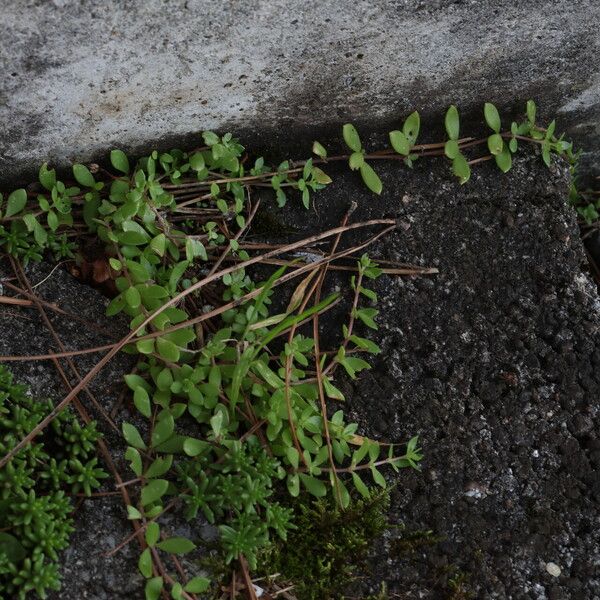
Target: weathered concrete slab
x=80 y=76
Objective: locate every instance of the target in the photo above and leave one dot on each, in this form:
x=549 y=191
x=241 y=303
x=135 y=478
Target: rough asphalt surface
x=492 y=362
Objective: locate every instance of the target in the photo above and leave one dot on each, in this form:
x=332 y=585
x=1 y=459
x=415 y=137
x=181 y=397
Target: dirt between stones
x=492 y=362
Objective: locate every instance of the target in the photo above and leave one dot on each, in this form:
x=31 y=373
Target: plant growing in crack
x=234 y=395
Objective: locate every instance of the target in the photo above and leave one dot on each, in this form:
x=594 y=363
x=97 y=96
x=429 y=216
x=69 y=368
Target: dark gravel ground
x=492 y=362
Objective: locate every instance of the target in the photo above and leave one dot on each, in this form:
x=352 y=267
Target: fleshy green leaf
x=132 y=436
x=153 y=491
x=371 y=178
x=83 y=176
x=167 y=350
x=153 y=588
x=319 y=149
x=452 y=123
x=293 y=484
x=152 y=533
x=378 y=477
x=546 y=153
x=360 y=486
x=461 y=168
x=194 y=248
x=176 y=545
x=133 y=513
x=451 y=149
x=194 y=447
x=47 y=177
x=495 y=143
x=135 y=459
x=132 y=297
x=159 y=244
x=504 y=160
x=531 y=110
x=197 y=161
x=16 y=202
x=356 y=161
x=492 y=118
x=351 y=137
x=163 y=430
x=159 y=466
x=400 y=142
x=314 y=486
x=197 y=585
x=142 y=401
x=411 y=127
x=119 y=161
x=145 y=563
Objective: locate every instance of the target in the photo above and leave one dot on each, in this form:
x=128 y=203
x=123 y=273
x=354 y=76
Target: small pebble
x=553 y=569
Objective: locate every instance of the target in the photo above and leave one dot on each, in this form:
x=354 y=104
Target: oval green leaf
x=132 y=436
x=153 y=588
x=495 y=143
x=142 y=401
x=351 y=137
x=492 y=118
x=153 y=491
x=411 y=127
x=451 y=149
x=313 y=485
x=16 y=202
x=371 y=178
x=119 y=161
x=145 y=563
x=452 y=122
x=176 y=545
x=400 y=142
x=83 y=176
x=504 y=160
x=356 y=160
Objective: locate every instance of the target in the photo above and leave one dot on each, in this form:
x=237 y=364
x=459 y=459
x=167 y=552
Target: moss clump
x=328 y=548
x=35 y=512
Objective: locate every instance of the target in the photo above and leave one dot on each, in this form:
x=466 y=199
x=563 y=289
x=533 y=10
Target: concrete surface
x=81 y=76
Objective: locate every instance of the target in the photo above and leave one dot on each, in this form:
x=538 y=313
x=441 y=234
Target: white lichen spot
x=553 y=569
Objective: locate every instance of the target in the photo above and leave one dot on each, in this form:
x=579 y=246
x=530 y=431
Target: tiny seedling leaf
x=319 y=149
x=153 y=491
x=411 y=127
x=16 y=202
x=119 y=161
x=400 y=142
x=83 y=176
x=371 y=178
x=132 y=436
x=492 y=118
x=495 y=143
x=351 y=137
x=176 y=545
x=504 y=160
x=451 y=123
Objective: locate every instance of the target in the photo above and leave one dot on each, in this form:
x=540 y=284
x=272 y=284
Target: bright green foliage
x=236 y=374
x=404 y=141
x=35 y=515
x=251 y=396
x=328 y=548
x=257 y=417
x=357 y=160
x=460 y=165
